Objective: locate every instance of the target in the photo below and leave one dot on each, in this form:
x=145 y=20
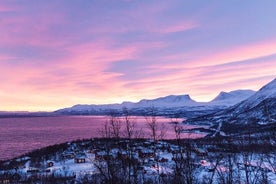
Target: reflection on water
x=21 y=135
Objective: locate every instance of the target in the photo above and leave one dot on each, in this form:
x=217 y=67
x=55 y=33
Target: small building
x=200 y=152
x=32 y=170
x=50 y=164
x=122 y=155
x=146 y=154
x=79 y=160
x=10 y=178
x=5 y=180
x=163 y=160
x=100 y=155
x=93 y=151
x=47 y=170
x=203 y=162
x=16 y=177
x=68 y=155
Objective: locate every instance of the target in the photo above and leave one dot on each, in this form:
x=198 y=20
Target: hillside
x=256 y=111
x=232 y=97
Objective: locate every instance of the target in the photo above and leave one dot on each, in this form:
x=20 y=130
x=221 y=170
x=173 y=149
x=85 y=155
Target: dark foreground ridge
x=244 y=159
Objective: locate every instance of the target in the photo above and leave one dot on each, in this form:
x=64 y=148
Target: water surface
x=21 y=135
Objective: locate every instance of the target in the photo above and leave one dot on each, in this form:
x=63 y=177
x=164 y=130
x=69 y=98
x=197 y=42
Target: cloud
x=180 y=27
x=223 y=56
x=6 y=8
x=205 y=82
x=109 y=51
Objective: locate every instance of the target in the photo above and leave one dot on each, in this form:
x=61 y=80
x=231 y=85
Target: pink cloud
x=31 y=30
x=6 y=57
x=203 y=83
x=81 y=76
x=147 y=26
x=252 y=51
x=154 y=22
x=62 y=63
x=5 y=8
x=144 y=18
x=177 y=27
x=221 y=56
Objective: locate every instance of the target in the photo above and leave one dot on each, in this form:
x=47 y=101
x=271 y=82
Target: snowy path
x=218 y=130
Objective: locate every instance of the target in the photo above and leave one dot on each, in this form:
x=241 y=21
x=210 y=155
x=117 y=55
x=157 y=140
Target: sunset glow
x=56 y=54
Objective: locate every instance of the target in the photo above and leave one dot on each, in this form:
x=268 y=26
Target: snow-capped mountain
x=171 y=101
x=232 y=97
x=166 y=105
x=168 y=101
x=259 y=109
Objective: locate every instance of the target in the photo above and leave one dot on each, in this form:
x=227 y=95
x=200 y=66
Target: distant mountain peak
x=171 y=100
x=270 y=86
x=232 y=97
x=175 y=98
x=222 y=96
x=258 y=109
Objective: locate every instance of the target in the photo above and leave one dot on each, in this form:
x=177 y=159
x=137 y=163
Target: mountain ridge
x=232 y=97
x=257 y=110
x=170 y=101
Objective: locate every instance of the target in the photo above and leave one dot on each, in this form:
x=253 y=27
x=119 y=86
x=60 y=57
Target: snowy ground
x=162 y=162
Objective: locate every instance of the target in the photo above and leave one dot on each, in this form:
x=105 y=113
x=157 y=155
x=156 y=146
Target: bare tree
x=116 y=125
x=129 y=123
x=105 y=131
x=177 y=129
x=157 y=131
x=112 y=127
x=152 y=124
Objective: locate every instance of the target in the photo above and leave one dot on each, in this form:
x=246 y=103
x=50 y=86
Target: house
x=93 y=151
x=122 y=155
x=174 y=149
x=178 y=157
x=79 y=160
x=148 y=143
x=145 y=154
x=108 y=157
x=203 y=162
x=16 y=177
x=50 y=164
x=5 y=180
x=200 y=152
x=163 y=160
x=99 y=155
x=102 y=155
x=10 y=178
x=32 y=170
x=68 y=155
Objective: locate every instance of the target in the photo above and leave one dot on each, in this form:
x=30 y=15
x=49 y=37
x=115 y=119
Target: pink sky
x=61 y=53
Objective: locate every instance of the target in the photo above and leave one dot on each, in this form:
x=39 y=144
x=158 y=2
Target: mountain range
x=171 y=103
x=239 y=110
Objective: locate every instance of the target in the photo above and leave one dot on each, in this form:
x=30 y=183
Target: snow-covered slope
x=258 y=105
x=266 y=92
x=259 y=109
x=168 y=101
x=171 y=101
x=232 y=97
